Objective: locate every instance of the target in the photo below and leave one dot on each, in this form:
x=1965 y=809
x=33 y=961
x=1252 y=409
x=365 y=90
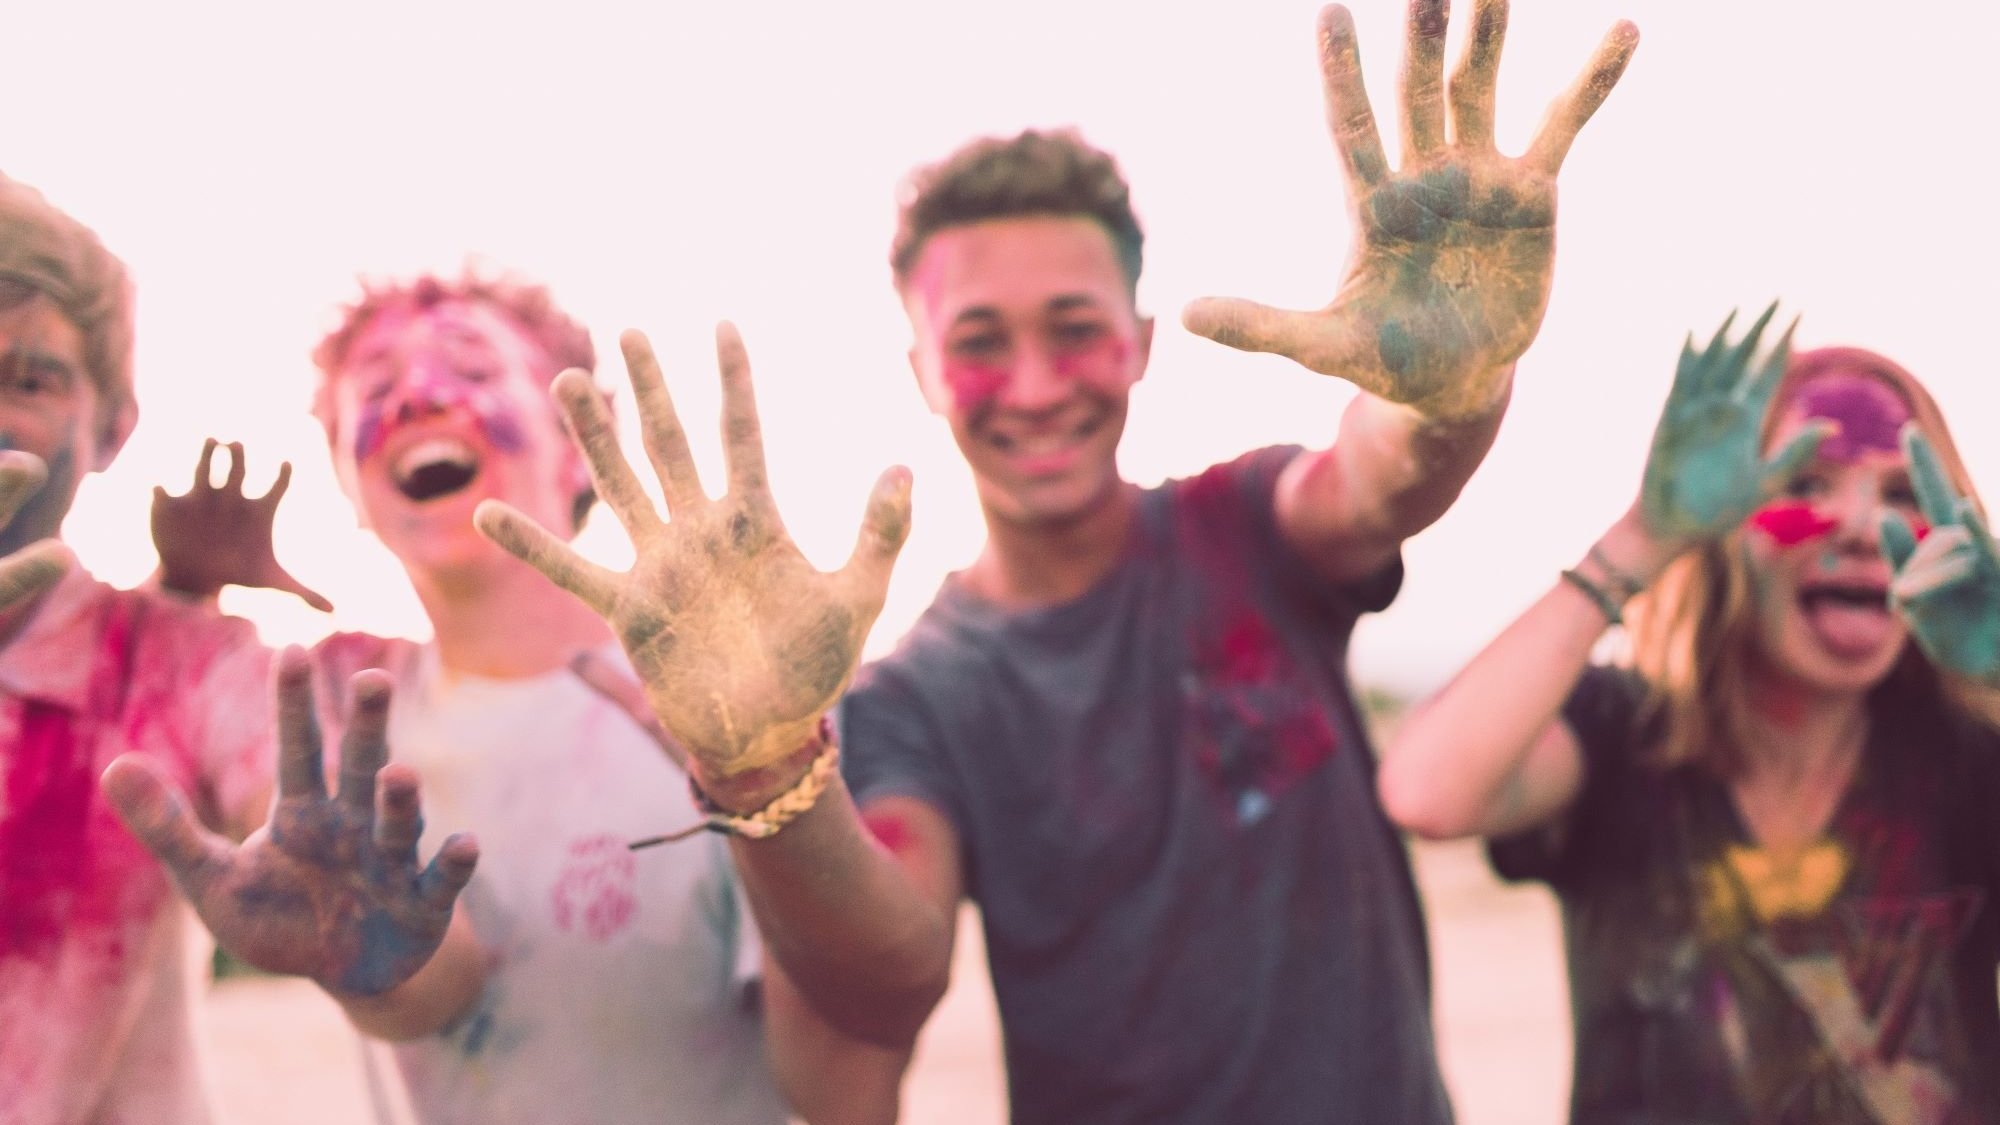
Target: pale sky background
x=662 y=168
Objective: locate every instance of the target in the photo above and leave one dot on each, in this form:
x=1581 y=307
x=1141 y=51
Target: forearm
x=438 y=994
x=866 y=941
x=1478 y=758
x=1393 y=469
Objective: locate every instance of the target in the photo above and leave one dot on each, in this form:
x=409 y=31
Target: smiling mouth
x=1048 y=442
x=434 y=469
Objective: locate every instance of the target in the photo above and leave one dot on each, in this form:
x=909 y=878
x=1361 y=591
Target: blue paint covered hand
x=330 y=889
x=37 y=566
x=1946 y=587
x=1706 y=472
x=1453 y=252
x=211 y=537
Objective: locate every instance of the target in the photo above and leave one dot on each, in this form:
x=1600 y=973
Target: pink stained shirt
x=95 y=992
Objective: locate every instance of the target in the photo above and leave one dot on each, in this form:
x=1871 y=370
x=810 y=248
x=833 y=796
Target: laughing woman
x=1776 y=834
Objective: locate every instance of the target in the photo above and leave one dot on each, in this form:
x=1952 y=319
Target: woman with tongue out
x=1775 y=834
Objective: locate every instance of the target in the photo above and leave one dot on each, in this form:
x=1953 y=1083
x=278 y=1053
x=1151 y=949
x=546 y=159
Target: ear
x=1145 y=344
x=933 y=391
x=112 y=432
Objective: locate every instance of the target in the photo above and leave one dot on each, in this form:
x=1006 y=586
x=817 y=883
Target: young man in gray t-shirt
x=1125 y=728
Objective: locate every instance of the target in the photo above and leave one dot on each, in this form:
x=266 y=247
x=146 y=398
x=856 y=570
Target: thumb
x=884 y=528
x=155 y=813
x=283 y=581
x=1898 y=542
x=1786 y=462
x=1249 y=326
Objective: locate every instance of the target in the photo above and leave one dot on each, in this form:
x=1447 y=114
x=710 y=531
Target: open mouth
x=435 y=468
x=1849 y=619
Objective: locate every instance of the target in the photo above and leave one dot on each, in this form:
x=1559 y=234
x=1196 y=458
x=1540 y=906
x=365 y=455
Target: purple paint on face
x=381 y=416
x=1869 y=413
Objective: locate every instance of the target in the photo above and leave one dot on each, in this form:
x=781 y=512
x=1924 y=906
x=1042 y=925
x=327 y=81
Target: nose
x=426 y=388
x=1858 y=512
x=1036 y=384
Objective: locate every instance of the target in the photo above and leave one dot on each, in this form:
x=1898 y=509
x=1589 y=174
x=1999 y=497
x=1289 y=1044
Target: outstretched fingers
x=1785 y=464
x=1574 y=107
x=540 y=548
x=233 y=483
x=660 y=425
x=21 y=476
x=589 y=422
x=364 y=745
x=742 y=433
x=1309 y=339
x=157 y=815
x=1936 y=498
x=1477 y=72
x=1735 y=363
x=278 y=487
x=205 y=465
x=1348 y=113
x=448 y=871
x=399 y=818
x=301 y=754
x=885 y=527
x=31 y=570
x=1423 y=79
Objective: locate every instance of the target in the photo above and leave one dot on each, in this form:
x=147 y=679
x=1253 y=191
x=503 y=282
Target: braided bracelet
x=779 y=811
x=1604 y=601
x=1626 y=584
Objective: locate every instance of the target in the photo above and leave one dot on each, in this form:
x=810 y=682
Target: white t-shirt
x=622 y=985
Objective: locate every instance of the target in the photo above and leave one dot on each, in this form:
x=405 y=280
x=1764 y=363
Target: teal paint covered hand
x=1946 y=585
x=1706 y=471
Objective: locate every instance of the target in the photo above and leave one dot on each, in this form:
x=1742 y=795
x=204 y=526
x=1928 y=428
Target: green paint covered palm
x=1706 y=472
x=1946 y=587
x=1454 y=252
x=740 y=642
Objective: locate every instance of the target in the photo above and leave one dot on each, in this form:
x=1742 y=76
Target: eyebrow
x=1066 y=302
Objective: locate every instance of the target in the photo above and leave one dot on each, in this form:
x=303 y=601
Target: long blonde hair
x=1691 y=632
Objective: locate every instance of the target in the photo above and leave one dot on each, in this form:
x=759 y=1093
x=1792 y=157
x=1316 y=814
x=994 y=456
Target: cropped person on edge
x=1775 y=835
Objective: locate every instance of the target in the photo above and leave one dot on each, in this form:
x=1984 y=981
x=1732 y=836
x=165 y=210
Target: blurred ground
x=283 y=1055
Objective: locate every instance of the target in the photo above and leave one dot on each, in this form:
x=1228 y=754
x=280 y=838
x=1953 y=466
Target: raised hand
x=211 y=537
x=741 y=644
x=1707 y=472
x=1453 y=252
x=1947 y=587
x=37 y=566
x=330 y=889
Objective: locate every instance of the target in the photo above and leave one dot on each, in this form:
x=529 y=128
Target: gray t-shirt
x=1195 y=910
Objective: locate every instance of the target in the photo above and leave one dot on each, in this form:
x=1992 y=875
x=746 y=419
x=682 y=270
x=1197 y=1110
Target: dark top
x=1714 y=982
x=1195 y=910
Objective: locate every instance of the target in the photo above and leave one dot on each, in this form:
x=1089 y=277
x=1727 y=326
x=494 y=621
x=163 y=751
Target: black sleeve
x=1602 y=712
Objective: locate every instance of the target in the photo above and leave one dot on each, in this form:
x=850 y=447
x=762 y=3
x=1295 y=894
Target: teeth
x=434 y=451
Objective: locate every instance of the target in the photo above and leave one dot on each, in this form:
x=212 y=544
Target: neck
x=1024 y=565
x=503 y=620
x=1801 y=734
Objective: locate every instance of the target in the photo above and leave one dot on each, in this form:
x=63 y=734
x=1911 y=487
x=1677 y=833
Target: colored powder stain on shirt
x=42 y=845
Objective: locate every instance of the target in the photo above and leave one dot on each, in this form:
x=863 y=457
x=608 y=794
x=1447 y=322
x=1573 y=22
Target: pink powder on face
x=1791 y=523
x=973 y=385
x=1100 y=362
x=1870 y=414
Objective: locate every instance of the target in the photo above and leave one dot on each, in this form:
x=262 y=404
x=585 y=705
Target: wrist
x=1635 y=552
x=752 y=789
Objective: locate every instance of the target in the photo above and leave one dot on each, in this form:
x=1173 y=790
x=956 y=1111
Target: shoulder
x=1232 y=491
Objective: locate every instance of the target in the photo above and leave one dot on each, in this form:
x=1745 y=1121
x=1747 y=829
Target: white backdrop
x=662 y=168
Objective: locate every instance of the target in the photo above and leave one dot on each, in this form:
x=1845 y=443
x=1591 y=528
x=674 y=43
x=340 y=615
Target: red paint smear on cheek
x=1101 y=362
x=1791 y=524
x=973 y=385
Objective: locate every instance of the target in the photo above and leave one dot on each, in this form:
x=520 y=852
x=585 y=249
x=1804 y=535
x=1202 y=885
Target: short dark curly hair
x=1037 y=172
x=525 y=303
